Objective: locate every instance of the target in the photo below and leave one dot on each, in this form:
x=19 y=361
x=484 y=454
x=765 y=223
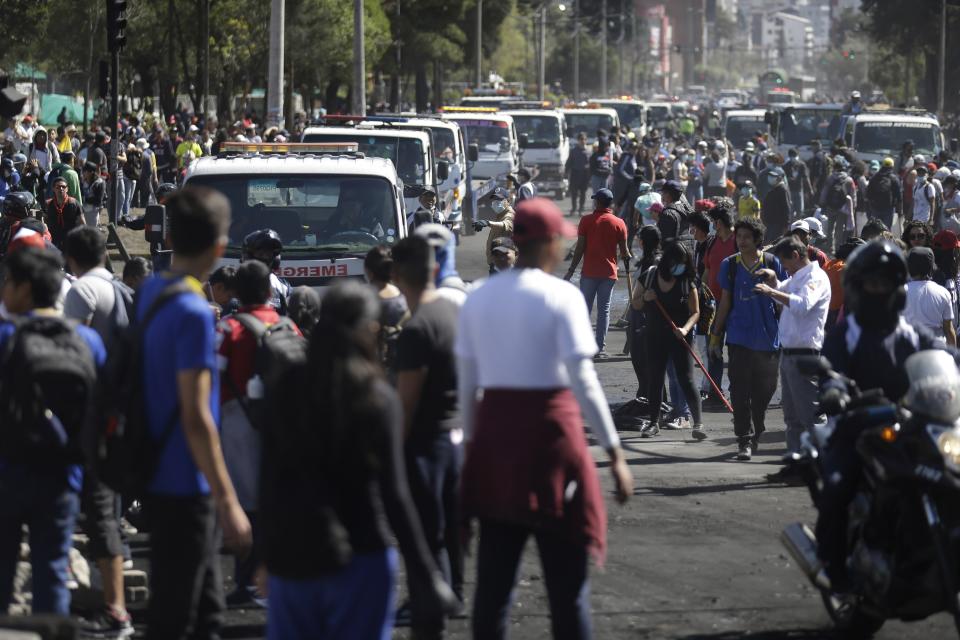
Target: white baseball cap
x=801 y=225
x=815 y=226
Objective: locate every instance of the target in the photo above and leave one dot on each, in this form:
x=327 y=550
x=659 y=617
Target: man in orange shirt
x=600 y=234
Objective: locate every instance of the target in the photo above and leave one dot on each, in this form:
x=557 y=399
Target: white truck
x=547 y=148
x=873 y=135
x=740 y=126
x=589 y=120
x=498 y=144
x=632 y=113
x=411 y=152
x=329 y=207
x=797 y=125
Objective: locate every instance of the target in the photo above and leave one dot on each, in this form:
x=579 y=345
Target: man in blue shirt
x=191 y=491
x=41 y=492
x=750 y=322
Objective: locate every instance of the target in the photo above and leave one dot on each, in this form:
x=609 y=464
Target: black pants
x=663 y=346
x=186 y=588
x=433 y=470
x=638 y=351
x=565 y=574
x=99 y=506
x=578 y=192
x=753 y=380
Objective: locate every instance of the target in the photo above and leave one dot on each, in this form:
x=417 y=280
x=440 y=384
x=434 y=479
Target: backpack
x=47 y=382
x=279 y=349
x=125 y=453
x=880 y=191
x=836 y=196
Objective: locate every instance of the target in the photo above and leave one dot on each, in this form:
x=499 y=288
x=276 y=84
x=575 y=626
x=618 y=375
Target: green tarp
x=52 y=103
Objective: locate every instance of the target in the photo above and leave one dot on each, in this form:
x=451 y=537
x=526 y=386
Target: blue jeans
x=565 y=574
x=602 y=290
x=680 y=407
x=354 y=602
x=44 y=501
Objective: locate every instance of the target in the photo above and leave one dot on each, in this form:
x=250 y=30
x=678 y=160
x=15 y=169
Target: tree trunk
x=437 y=85
x=330 y=95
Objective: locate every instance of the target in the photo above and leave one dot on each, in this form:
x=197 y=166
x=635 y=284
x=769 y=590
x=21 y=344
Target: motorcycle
x=903 y=535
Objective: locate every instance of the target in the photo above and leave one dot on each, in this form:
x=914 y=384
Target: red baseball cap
x=946 y=240
x=931 y=166
x=540 y=219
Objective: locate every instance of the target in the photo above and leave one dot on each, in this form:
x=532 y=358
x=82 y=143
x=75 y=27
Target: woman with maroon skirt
x=528 y=471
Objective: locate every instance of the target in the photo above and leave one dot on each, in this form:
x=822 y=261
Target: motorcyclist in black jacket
x=869 y=346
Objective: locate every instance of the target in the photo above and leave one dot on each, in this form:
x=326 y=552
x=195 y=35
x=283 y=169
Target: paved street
x=695 y=554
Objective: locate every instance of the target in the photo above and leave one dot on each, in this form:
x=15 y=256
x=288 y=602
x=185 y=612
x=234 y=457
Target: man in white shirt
x=924 y=196
x=805 y=299
x=534 y=360
x=928 y=304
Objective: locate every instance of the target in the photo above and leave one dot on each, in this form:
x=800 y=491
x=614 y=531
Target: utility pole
x=542 y=60
x=395 y=89
x=275 y=67
x=479 y=78
x=620 y=58
x=942 y=58
x=359 y=92
x=603 y=48
x=204 y=106
x=576 y=50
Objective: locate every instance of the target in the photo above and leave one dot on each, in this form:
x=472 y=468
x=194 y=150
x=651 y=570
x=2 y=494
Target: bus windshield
x=800 y=126
x=405 y=153
x=491 y=136
x=630 y=114
x=312 y=214
x=543 y=132
x=887 y=137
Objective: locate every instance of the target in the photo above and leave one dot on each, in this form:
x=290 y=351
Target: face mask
x=745 y=192
x=678 y=270
x=499 y=206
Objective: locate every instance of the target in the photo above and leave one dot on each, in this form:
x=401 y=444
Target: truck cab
x=495 y=134
x=873 y=135
x=589 y=120
x=547 y=148
x=739 y=126
x=329 y=207
x=795 y=126
x=632 y=113
x=410 y=151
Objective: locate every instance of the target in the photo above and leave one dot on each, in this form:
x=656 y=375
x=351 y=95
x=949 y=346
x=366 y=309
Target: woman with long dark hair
x=650 y=254
x=333 y=485
x=668 y=295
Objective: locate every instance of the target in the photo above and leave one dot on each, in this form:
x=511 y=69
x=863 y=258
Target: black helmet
x=260 y=244
x=165 y=190
x=18 y=204
x=883 y=260
x=6 y=165
x=19 y=160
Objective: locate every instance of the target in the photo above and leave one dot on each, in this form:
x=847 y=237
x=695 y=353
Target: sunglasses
x=917 y=236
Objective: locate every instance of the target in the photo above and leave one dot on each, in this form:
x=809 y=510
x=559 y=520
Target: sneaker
x=745 y=453
x=601 y=355
x=621 y=323
x=676 y=424
x=649 y=430
x=127 y=528
x=698 y=433
x=110 y=622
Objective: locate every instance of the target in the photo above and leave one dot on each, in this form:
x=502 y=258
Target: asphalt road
x=695 y=554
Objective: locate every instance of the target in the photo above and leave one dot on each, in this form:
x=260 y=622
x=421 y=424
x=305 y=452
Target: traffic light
x=116 y=23
x=849 y=55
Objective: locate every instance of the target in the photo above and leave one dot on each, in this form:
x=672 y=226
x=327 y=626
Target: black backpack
x=125 y=452
x=836 y=197
x=47 y=386
x=279 y=348
x=880 y=191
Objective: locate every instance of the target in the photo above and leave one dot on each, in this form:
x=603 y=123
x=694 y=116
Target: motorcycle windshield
x=934 y=386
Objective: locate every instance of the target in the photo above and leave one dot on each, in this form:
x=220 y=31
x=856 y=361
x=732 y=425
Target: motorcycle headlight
x=949 y=445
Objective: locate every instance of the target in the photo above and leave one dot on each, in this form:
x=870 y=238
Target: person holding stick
x=667 y=293
x=805 y=298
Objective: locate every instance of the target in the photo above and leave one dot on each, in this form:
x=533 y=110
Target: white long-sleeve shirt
x=802 y=322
